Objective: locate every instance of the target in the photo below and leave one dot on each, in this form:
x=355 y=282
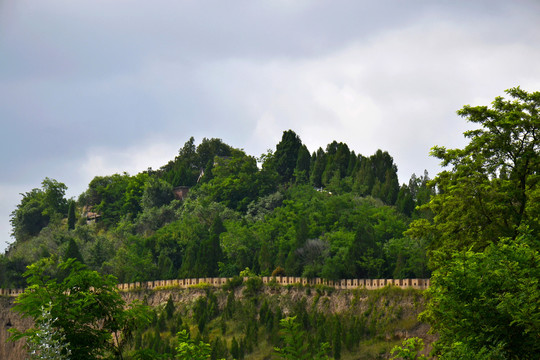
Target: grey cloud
x=108 y=78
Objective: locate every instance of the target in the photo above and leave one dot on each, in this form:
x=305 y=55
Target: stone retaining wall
x=370 y=284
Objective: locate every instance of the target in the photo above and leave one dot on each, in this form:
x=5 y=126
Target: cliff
x=389 y=314
x=8 y=319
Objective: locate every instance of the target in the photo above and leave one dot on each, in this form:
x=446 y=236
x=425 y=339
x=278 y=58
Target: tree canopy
x=330 y=214
x=37 y=208
x=84 y=305
x=484 y=235
x=491 y=190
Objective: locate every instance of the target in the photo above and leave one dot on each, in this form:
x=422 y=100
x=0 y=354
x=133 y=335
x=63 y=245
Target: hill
x=215 y=211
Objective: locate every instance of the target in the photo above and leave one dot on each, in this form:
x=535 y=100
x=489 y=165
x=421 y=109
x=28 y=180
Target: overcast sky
x=98 y=87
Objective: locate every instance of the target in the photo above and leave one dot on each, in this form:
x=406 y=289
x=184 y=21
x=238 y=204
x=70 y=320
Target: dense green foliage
x=37 y=208
x=491 y=190
x=409 y=350
x=82 y=305
x=488 y=301
x=331 y=214
x=484 y=235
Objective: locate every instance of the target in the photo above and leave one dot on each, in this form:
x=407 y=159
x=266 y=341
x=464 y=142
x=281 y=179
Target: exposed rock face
x=8 y=319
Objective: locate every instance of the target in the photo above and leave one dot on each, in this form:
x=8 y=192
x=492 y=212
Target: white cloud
x=398 y=91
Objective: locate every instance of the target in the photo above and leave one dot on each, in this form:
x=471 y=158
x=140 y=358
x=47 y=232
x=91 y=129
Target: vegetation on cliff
x=248 y=321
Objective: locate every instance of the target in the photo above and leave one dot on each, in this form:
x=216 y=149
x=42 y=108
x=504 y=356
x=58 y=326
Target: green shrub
x=233 y=283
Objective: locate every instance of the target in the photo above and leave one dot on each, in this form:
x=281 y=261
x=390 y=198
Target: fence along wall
x=369 y=284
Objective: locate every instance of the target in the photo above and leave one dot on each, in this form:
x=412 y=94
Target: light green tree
x=409 y=350
x=84 y=305
x=187 y=349
x=295 y=345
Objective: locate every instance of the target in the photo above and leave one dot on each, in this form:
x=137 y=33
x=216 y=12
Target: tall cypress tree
x=71 y=215
x=215 y=254
x=286 y=155
x=302 y=165
x=318 y=168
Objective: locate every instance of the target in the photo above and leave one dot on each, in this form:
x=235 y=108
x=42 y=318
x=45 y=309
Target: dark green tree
x=215 y=254
x=71 y=216
x=363 y=256
x=235 y=351
x=208 y=149
x=364 y=179
x=29 y=217
x=318 y=168
x=302 y=170
x=170 y=308
x=156 y=193
x=165 y=267
x=286 y=155
x=72 y=251
x=37 y=208
x=185 y=169
x=390 y=187
x=337 y=338
x=405 y=202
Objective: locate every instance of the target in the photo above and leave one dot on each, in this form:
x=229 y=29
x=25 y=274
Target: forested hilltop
x=216 y=211
x=332 y=214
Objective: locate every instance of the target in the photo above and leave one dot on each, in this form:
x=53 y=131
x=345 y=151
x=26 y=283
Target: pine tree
x=301 y=171
x=318 y=168
x=286 y=155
